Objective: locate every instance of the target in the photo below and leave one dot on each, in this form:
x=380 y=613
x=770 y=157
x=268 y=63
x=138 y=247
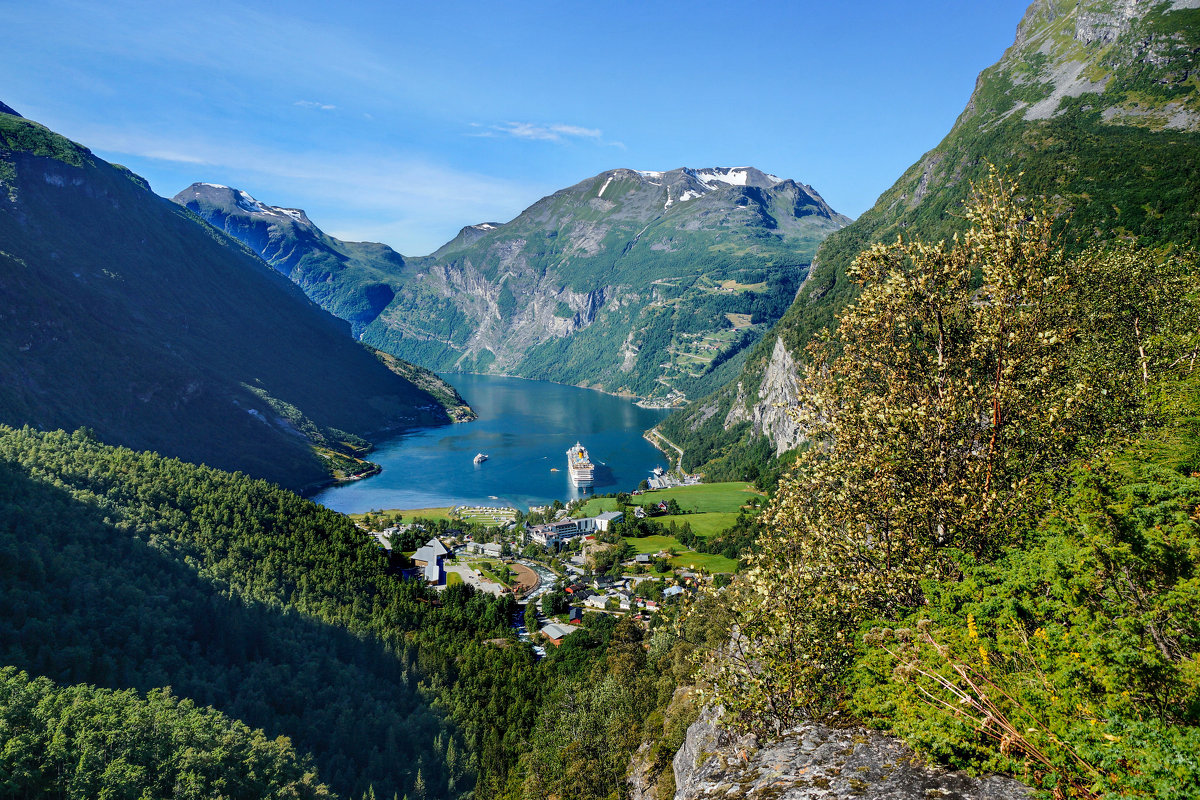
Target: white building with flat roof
x=552 y=533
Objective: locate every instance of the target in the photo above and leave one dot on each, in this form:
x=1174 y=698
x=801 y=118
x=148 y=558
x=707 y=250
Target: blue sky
x=401 y=122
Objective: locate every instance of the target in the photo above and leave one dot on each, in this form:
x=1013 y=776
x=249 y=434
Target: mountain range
x=652 y=284
x=126 y=314
x=1095 y=106
x=1061 y=650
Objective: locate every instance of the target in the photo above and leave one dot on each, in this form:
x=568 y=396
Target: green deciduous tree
x=941 y=416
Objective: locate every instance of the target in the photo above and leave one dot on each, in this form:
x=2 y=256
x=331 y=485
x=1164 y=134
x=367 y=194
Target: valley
x=903 y=506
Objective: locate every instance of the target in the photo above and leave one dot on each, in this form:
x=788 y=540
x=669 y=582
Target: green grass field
x=726 y=497
x=687 y=558
x=704 y=498
x=704 y=561
x=479 y=516
x=495 y=570
x=411 y=514
x=597 y=506
x=652 y=544
x=705 y=525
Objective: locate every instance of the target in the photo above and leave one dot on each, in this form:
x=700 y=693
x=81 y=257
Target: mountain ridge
x=128 y=315
x=634 y=282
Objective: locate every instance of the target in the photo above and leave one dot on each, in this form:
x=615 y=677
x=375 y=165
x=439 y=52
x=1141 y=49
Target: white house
x=428 y=559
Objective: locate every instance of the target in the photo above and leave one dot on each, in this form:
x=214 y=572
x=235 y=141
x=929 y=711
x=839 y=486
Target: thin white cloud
x=410 y=203
x=575 y=130
x=314 y=104
x=555 y=132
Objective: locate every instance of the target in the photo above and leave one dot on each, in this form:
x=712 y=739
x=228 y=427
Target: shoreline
x=653 y=404
x=373 y=439
x=653 y=436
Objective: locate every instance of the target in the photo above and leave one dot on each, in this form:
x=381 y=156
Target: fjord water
x=525 y=428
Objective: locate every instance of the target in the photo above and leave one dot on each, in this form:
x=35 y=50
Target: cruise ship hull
x=579 y=467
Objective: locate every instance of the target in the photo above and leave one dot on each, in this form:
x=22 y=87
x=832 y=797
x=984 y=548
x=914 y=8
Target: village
x=625 y=554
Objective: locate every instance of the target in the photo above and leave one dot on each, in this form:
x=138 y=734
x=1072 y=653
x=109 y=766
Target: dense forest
x=80 y=743
x=129 y=571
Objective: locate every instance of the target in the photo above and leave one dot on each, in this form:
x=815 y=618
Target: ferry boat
x=480 y=458
x=580 y=467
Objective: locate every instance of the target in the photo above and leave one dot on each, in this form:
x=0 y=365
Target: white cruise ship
x=580 y=466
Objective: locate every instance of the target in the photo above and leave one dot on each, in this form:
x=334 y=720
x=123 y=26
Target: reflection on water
x=525 y=428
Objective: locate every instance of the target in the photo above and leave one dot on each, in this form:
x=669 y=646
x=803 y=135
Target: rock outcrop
x=814 y=761
x=778 y=392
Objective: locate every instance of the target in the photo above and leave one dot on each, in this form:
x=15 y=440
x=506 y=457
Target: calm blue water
x=525 y=427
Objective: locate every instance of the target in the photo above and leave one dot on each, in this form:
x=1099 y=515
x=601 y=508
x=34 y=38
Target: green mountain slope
x=80 y=741
x=650 y=283
x=351 y=280
x=124 y=313
x=1096 y=103
x=127 y=570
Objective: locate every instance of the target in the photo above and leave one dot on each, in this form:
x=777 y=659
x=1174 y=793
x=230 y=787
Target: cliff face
x=814 y=761
x=768 y=414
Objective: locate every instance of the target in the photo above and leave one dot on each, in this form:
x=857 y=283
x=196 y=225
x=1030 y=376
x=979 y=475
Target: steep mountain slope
x=1096 y=103
x=124 y=313
x=351 y=280
x=651 y=283
x=128 y=570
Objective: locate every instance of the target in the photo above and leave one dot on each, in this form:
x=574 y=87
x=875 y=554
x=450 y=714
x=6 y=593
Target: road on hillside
x=653 y=434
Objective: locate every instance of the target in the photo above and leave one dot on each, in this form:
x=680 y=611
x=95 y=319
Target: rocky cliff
x=768 y=411
x=817 y=762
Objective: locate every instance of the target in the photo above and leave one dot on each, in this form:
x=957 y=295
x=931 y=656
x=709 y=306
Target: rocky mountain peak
x=6 y=109
x=231 y=199
x=672 y=190
x=1135 y=55
x=735 y=176
x=704 y=179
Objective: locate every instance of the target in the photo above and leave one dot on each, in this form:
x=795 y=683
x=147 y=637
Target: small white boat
x=480 y=458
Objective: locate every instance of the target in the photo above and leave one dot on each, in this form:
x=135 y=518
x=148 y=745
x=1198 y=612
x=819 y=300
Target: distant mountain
x=1096 y=103
x=122 y=312
x=352 y=280
x=648 y=283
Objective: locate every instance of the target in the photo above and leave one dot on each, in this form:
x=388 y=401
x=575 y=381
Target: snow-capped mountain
x=614 y=282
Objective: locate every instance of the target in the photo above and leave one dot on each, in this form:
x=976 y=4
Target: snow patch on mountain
x=732 y=177
x=248 y=203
